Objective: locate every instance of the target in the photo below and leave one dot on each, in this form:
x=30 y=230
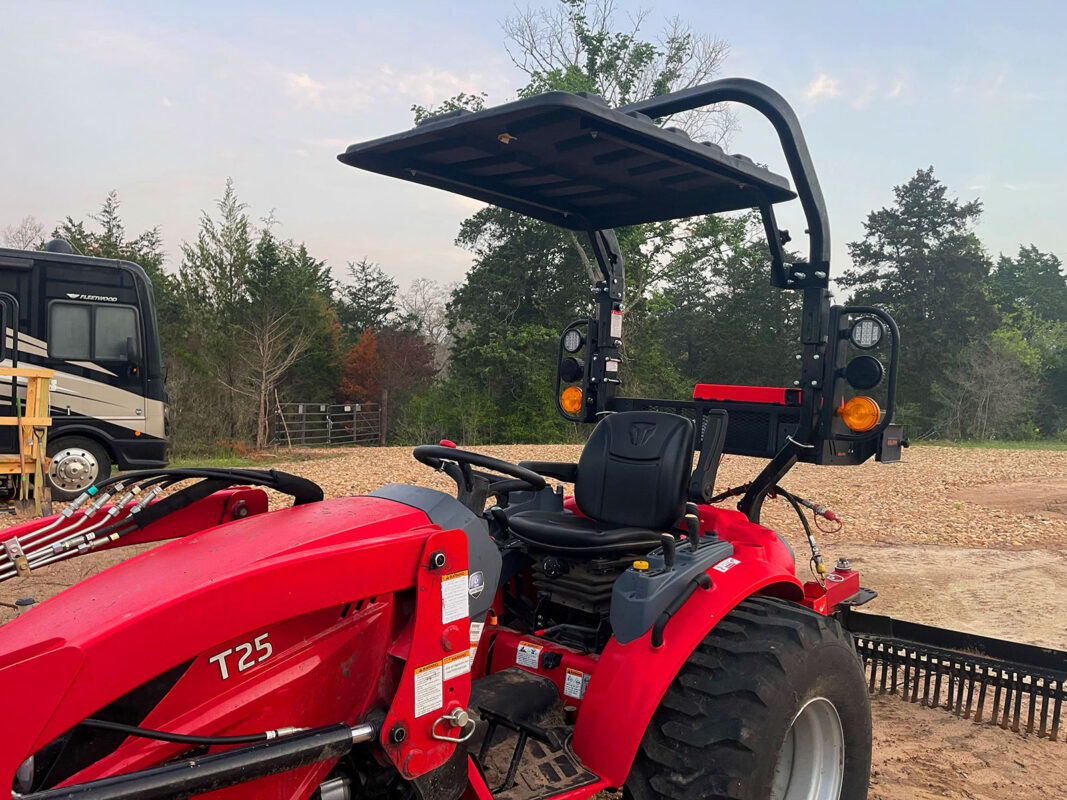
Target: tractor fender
x=631 y=678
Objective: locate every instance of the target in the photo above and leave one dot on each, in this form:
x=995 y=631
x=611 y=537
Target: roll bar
x=774 y=107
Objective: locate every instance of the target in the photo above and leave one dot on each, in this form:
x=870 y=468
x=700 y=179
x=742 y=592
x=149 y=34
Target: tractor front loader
x=516 y=640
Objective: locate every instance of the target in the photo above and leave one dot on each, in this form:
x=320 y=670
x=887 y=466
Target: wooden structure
x=28 y=464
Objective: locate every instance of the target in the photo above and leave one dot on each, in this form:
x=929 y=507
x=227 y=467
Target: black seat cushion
x=630 y=483
x=562 y=531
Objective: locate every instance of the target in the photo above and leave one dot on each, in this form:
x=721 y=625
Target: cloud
x=164 y=102
x=866 y=95
x=303 y=86
x=384 y=84
x=896 y=91
x=822 y=86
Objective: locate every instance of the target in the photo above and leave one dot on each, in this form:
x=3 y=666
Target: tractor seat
x=629 y=485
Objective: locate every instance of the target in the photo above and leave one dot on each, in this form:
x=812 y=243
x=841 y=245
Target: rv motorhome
x=93 y=321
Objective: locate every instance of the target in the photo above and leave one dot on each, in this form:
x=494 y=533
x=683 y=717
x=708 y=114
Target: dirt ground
x=970 y=539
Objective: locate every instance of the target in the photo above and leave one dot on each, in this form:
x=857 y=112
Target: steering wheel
x=441 y=457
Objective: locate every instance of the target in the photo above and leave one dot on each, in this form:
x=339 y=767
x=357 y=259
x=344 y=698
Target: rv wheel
x=77 y=463
x=772 y=705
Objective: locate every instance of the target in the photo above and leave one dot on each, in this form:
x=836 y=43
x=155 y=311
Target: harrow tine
x=973 y=669
x=1045 y=695
x=926 y=682
x=1033 y=705
x=1054 y=733
x=1018 y=703
x=981 y=698
x=960 y=684
x=998 y=683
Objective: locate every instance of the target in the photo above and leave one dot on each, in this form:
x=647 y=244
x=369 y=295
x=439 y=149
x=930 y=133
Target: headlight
x=866 y=332
x=573 y=340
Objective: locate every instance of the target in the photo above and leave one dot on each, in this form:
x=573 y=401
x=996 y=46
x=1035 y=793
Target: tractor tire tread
x=703 y=737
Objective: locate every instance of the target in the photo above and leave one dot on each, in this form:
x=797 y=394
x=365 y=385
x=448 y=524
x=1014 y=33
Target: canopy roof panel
x=570 y=160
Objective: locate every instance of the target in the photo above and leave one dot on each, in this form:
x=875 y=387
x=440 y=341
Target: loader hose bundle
x=133 y=492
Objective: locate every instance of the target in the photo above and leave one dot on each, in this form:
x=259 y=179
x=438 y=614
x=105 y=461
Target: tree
x=1031 y=293
x=1031 y=282
x=424 y=307
x=719 y=317
x=359 y=375
x=582 y=46
x=28 y=234
x=920 y=260
x=368 y=300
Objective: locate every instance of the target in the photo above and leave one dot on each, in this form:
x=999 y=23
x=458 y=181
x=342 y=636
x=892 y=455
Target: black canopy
x=571 y=160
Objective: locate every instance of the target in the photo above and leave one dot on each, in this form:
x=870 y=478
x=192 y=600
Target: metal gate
x=325 y=424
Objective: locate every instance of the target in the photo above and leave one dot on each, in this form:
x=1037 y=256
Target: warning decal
x=528 y=655
x=574 y=683
x=726 y=564
x=457 y=664
x=454 y=597
x=476 y=636
x=429 y=695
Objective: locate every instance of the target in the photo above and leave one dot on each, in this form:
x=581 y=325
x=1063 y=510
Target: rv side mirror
x=133 y=351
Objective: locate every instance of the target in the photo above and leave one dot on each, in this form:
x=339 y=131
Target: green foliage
x=920 y=260
x=369 y=299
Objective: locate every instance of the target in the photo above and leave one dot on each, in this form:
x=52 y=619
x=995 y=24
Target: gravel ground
x=928 y=498
x=965 y=538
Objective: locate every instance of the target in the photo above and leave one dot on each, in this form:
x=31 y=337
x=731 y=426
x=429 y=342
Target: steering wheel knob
x=447 y=443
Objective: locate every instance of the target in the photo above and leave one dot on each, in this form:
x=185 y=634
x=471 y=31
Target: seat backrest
x=634 y=469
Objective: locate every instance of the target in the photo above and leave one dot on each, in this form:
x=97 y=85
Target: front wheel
x=77 y=463
x=772 y=705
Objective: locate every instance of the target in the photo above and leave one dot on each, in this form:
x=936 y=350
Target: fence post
x=383 y=417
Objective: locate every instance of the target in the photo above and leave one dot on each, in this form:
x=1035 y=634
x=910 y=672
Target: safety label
x=528 y=655
x=429 y=695
x=726 y=564
x=454 y=597
x=574 y=683
x=616 y=325
x=476 y=636
x=457 y=664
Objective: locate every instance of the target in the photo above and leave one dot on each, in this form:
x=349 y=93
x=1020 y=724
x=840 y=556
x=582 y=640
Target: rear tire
x=77 y=464
x=773 y=697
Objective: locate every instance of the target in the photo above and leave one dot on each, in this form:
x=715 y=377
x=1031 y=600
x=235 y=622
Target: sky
x=163 y=101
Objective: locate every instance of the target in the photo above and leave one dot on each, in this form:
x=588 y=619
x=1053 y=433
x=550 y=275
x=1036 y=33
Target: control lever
x=692 y=525
x=668 y=552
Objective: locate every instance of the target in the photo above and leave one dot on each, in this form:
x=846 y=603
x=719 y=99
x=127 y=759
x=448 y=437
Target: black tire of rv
x=729 y=725
x=78 y=446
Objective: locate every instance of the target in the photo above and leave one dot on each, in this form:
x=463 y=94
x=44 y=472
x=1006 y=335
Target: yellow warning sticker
x=454 y=597
x=457 y=664
x=528 y=654
x=429 y=694
x=574 y=683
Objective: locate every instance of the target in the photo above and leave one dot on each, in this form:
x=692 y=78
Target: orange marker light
x=860 y=414
x=571 y=400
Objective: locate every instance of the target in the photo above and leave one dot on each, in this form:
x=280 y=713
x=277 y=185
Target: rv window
x=114 y=325
x=83 y=332
x=68 y=331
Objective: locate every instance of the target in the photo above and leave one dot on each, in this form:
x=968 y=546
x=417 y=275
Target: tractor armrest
x=560 y=470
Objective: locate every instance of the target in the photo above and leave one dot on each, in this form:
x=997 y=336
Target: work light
x=866 y=332
x=572 y=340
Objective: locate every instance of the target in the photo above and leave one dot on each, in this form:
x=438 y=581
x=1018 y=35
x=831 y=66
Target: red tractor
x=514 y=641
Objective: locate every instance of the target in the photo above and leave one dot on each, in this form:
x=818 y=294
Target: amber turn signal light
x=571 y=400
x=860 y=414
